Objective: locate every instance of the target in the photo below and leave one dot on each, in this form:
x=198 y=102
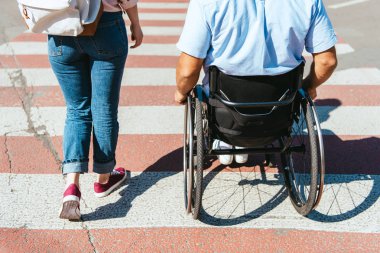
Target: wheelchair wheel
x=304 y=171
x=193 y=156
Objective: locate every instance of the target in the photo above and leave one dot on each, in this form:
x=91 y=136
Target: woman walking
x=89 y=70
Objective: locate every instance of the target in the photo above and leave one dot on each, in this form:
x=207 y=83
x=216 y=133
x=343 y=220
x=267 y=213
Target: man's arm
x=324 y=64
x=187 y=75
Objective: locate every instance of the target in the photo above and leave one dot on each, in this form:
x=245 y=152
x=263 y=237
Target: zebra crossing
x=149 y=208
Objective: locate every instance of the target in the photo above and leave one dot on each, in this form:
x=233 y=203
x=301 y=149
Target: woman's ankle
x=72 y=178
x=103 y=178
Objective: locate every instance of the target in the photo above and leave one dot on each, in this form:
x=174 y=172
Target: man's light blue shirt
x=255 y=37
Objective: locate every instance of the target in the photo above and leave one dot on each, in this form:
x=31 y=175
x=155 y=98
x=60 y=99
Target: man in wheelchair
x=256 y=47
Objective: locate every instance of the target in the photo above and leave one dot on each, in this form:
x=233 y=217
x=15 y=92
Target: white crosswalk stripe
x=162 y=30
x=156 y=200
x=347 y=120
x=162 y=16
x=157 y=5
x=40 y=48
x=355 y=76
x=166 y=76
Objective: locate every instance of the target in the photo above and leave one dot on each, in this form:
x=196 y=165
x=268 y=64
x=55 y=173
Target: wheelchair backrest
x=250 y=107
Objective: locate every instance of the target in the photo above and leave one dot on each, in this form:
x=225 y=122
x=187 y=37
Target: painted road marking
x=131 y=77
x=341 y=48
x=328 y=95
x=133 y=61
x=162 y=16
x=157 y=5
x=133 y=120
x=171 y=29
x=166 y=76
x=156 y=49
x=197 y=240
x=41 y=48
x=162 y=30
x=347 y=3
x=354 y=76
x=163 y=152
x=14 y=122
x=150 y=10
x=346 y=120
x=246 y=199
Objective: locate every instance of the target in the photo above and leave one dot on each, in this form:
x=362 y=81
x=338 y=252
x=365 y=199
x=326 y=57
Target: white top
x=112 y=6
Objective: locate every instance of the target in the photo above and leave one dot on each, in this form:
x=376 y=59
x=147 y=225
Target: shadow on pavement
x=240 y=197
x=136 y=186
x=352 y=181
x=346 y=197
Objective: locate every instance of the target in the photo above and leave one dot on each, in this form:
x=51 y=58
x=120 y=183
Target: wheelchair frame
x=199 y=146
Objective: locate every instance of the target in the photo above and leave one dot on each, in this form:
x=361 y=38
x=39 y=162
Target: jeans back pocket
x=111 y=39
x=54 y=45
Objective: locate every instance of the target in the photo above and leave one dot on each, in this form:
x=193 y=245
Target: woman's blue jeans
x=89 y=70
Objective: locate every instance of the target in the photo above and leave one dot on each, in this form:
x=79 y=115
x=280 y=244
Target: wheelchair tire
x=200 y=144
x=305 y=183
x=188 y=149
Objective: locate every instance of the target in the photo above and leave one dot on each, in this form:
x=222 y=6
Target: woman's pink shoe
x=70 y=204
x=117 y=177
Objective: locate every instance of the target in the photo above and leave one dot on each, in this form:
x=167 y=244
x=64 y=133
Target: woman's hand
x=136 y=34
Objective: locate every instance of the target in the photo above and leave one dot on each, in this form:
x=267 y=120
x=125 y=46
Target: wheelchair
x=267 y=115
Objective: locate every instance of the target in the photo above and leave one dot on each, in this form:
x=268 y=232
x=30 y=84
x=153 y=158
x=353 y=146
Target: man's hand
x=312 y=93
x=179 y=97
x=137 y=34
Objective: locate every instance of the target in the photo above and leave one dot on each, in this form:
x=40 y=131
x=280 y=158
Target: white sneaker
x=223 y=159
x=241 y=158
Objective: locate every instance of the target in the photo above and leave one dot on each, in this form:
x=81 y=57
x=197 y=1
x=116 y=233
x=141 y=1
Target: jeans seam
x=80 y=49
x=125 y=37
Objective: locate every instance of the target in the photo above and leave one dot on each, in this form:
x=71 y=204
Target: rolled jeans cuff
x=75 y=167
x=103 y=168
